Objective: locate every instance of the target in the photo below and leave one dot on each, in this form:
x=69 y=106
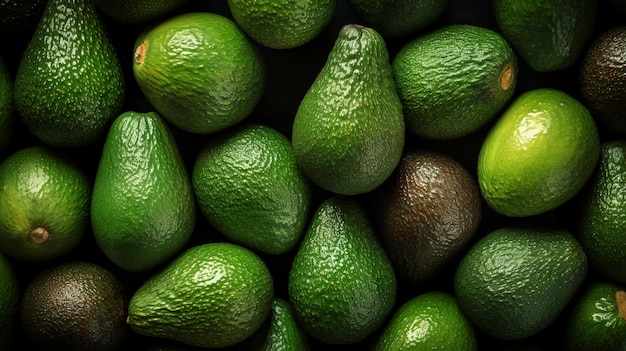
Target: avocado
x=44 y=204
x=199 y=71
x=428 y=212
x=138 y=11
x=454 y=80
x=249 y=187
x=7 y=107
x=213 y=295
x=515 y=281
x=547 y=35
x=602 y=78
x=597 y=318
x=429 y=321
x=282 y=24
x=69 y=84
x=348 y=131
x=398 y=18
x=74 y=305
x=601 y=222
x=341 y=285
x=10 y=294
x=280 y=332
x=142 y=207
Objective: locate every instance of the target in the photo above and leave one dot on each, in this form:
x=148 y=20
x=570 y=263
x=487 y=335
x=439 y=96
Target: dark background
x=290 y=73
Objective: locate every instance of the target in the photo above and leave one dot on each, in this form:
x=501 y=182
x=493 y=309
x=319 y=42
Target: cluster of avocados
x=313 y=175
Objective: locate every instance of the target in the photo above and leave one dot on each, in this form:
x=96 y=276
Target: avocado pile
x=312 y=175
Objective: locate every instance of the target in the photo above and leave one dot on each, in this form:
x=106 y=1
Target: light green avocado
x=142 y=207
x=348 y=132
x=69 y=84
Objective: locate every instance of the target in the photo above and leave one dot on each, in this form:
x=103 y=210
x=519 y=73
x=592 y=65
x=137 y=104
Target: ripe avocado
x=74 y=305
x=603 y=79
x=428 y=211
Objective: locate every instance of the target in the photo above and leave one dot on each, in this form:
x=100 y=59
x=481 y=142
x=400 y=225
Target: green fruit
x=454 y=80
x=547 y=35
x=74 y=305
x=142 y=207
x=428 y=211
x=539 y=154
x=7 y=107
x=348 y=132
x=199 y=71
x=19 y=14
x=396 y=18
x=603 y=79
x=9 y=301
x=44 y=204
x=514 y=282
x=602 y=222
x=249 y=187
x=213 y=295
x=429 y=321
x=69 y=84
x=598 y=319
x=138 y=11
x=280 y=332
x=282 y=24
x=341 y=284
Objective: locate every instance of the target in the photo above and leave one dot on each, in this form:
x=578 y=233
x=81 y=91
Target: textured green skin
x=594 y=322
x=282 y=24
x=449 y=80
x=249 y=187
x=42 y=187
x=142 y=208
x=429 y=321
x=538 y=155
x=428 y=212
x=213 y=295
x=9 y=300
x=603 y=217
x=7 y=107
x=348 y=132
x=76 y=305
x=514 y=282
x=200 y=72
x=137 y=11
x=603 y=78
x=395 y=18
x=280 y=332
x=547 y=35
x=341 y=285
x=69 y=84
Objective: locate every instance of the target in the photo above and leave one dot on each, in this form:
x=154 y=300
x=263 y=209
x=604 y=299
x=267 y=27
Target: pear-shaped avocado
x=348 y=132
x=342 y=285
x=69 y=84
x=142 y=206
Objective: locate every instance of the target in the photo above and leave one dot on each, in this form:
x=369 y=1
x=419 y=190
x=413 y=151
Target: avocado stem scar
x=38 y=235
x=620 y=298
x=140 y=52
x=507 y=77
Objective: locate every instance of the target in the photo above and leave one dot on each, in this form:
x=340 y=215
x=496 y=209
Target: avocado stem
x=38 y=235
x=620 y=298
x=140 y=53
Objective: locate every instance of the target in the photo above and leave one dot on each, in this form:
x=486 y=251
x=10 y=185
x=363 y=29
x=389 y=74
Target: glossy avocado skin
x=67 y=92
x=341 y=285
x=348 y=132
x=142 y=208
